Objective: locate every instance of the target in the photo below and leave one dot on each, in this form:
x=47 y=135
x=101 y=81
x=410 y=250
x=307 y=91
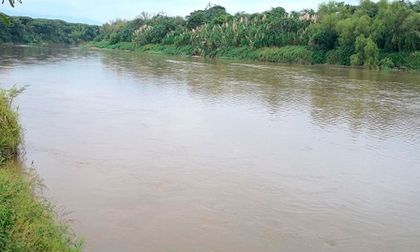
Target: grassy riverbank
x=27 y=222
x=286 y=54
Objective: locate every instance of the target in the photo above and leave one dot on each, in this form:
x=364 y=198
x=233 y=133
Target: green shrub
x=319 y=56
x=344 y=54
x=165 y=49
x=413 y=60
x=332 y=57
x=404 y=59
x=124 y=46
x=28 y=223
x=100 y=44
x=286 y=54
x=387 y=63
x=366 y=53
x=10 y=130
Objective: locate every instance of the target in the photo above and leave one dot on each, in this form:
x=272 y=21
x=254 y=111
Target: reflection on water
x=153 y=153
x=362 y=99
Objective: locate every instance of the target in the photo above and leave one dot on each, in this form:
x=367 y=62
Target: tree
x=195 y=19
x=324 y=34
x=278 y=12
x=399 y=27
x=367 y=52
x=216 y=14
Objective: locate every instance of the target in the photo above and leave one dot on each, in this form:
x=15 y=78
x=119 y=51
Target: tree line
x=370 y=34
x=26 y=30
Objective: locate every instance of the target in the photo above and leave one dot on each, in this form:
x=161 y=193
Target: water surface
x=155 y=153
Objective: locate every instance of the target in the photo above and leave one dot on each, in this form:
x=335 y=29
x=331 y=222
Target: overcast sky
x=101 y=11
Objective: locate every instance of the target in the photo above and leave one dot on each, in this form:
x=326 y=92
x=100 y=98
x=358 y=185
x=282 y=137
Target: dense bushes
x=366 y=52
x=287 y=54
x=383 y=34
x=413 y=60
x=363 y=34
x=409 y=60
x=157 y=30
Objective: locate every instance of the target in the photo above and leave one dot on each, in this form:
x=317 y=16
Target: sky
x=102 y=11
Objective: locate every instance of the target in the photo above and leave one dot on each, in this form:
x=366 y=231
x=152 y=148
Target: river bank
x=28 y=222
x=288 y=54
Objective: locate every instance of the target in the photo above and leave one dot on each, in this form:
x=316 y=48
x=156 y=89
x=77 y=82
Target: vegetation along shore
x=27 y=221
x=372 y=34
x=375 y=35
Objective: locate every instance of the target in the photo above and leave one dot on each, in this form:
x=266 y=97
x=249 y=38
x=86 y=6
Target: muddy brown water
x=156 y=153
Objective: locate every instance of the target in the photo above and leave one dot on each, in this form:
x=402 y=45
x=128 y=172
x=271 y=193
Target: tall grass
x=286 y=54
x=27 y=222
x=10 y=130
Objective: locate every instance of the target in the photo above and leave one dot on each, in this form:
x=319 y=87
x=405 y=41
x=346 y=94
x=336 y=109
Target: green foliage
x=399 y=59
x=413 y=61
x=28 y=223
x=332 y=57
x=387 y=63
x=25 y=30
x=277 y=12
x=195 y=19
x=166 y=49
x=107 y=45
x=338 y=33
x=397 y=27
x=367 y=52
x=212 y=14
x=155 y=30
x=4 y=19
x=10 y=130
x=118 y=31
x=319 y=56
x=323 y=36
x=287 y=54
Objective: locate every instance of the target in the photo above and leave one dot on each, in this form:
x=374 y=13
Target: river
x=156 y=153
